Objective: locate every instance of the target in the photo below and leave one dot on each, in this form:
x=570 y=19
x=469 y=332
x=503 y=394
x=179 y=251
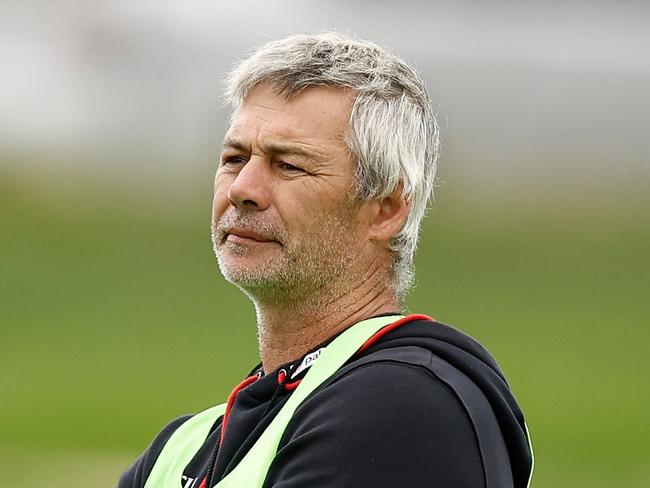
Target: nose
x=250 y=189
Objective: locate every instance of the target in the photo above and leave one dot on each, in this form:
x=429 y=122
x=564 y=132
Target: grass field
x=115 y=319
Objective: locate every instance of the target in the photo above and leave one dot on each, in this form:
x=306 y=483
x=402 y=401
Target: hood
x=475 y=362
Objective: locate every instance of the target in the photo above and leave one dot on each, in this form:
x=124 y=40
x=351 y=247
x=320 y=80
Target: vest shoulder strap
x=181 y=447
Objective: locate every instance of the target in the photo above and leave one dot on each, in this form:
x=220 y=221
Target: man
x=325 y=175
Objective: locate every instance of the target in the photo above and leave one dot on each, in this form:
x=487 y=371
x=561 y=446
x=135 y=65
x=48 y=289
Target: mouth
x=245 y=237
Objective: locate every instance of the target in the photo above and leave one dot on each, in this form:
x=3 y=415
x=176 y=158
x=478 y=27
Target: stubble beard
x=303 y=271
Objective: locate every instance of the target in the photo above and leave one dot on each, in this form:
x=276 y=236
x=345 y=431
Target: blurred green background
x=114 y=318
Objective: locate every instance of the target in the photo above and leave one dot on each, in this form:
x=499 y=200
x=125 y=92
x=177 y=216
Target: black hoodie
x=422 y=405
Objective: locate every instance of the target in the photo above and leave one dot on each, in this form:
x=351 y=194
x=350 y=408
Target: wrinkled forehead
x=320 y=110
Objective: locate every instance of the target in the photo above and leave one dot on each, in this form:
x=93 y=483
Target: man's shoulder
x=407 y=377
x=137 y=474
x=446 y=354
x=401 y=377
x=385 y=409
x=424 y=387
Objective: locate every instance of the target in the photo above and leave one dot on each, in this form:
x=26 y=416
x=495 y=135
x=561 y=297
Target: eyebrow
x=270 y=148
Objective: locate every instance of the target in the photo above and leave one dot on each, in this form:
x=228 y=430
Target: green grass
x=115 y=320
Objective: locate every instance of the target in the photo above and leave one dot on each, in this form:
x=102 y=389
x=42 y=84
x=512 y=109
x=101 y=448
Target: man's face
x=284 y=223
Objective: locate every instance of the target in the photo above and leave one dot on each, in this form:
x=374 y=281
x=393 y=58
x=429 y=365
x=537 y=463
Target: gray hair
x=393 y=134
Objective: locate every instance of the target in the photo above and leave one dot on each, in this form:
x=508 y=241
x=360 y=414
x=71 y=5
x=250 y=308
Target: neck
x=288 y=330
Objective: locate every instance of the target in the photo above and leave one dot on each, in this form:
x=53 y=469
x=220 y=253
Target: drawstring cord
x=224 y=423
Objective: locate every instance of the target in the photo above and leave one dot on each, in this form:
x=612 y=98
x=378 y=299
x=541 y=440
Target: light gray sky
x=515 y=84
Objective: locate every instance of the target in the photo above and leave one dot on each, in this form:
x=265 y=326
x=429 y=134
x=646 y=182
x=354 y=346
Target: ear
x=389 y=216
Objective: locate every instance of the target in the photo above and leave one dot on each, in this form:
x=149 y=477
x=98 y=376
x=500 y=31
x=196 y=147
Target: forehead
x=318 y=114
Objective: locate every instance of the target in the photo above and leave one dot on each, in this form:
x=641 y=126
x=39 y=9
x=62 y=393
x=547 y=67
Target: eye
x=290 y=168
x=232 y=160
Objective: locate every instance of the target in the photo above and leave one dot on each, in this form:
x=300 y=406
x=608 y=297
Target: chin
x=246 y=270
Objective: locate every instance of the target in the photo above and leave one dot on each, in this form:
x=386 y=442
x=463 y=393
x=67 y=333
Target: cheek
x=316 y=218
x=295 y=203
x=220 y=198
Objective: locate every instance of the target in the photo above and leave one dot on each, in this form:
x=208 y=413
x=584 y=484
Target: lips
x=240 y=235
